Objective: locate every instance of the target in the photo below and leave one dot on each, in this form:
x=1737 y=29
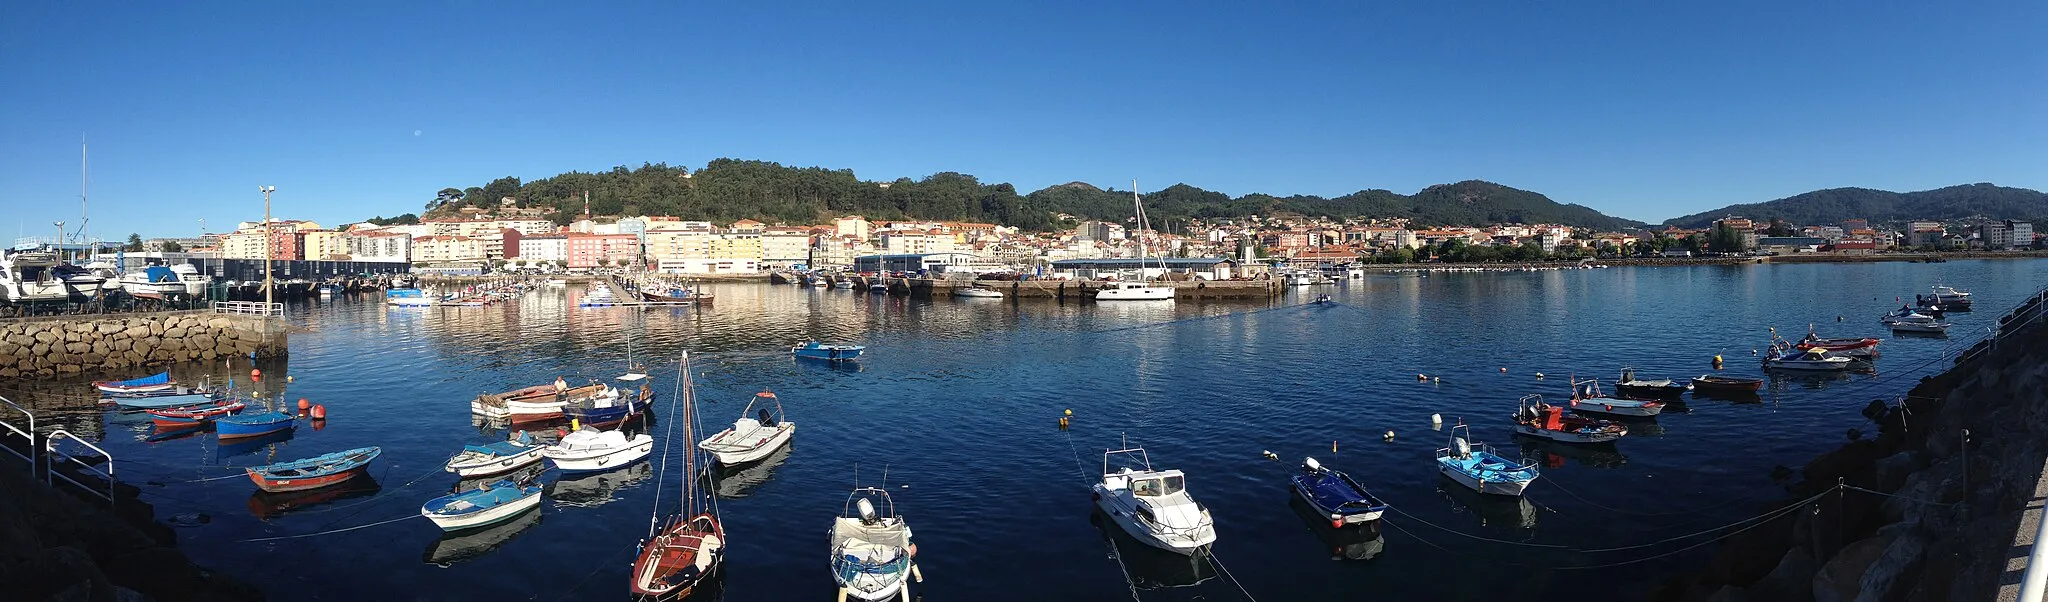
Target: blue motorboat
x=1477 y=467
x=252 y=425
x=820 y=351
x=491 y=504
x=1335 y=495
x=614 y=405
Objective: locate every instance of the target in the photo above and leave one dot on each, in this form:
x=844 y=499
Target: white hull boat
x=1477 y=467
x=1916 y=323
x=978 y=293
x=496 y=458
x=28 y=278
x=1134 y=291
x=590 y=450
x=493 y=504
x=751 y=438
x=872 y=556
x=1153 y=505
x=1785 y=357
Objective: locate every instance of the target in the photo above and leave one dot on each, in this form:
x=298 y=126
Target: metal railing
x=248 y=308
x=2034 y=584
x=28 y=435
x=56 y=454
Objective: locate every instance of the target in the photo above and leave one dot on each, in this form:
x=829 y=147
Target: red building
x=602 y=250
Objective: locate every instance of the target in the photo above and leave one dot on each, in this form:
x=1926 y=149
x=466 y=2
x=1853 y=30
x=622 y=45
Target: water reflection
x=737 y=481
x=1552 y=454
x=1150 y=568
x=266 y=505
x=590 y=490
x=1351 y=542
x=471 y=544
x=249 y=445
x=1494 y=511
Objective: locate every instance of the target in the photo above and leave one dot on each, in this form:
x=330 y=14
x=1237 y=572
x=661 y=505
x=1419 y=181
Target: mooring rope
x=1218 y=563
x=329 y=532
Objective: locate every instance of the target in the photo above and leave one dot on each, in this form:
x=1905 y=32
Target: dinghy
x=252 y=425
x=193 y=415
x=489 y=505
x=1785 y=357
x=1153 y=505
x=1337 y=497
x=1475 y=466
x=590 y=449
x=167 y=392
x=1537 y=419
x=1632 y=386
x=315 y=472
x=1708 y=383
x=160 y=402
x=496 y=458
x=1917 y=323
x=872 y=555
x=687 y=551
x=751 y=437
x=155 y=382
x=532 y=404
x=820 y=351
x=1586 y=399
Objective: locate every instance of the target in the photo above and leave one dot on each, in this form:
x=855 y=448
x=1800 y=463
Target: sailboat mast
x=1139 y=203
x=84 y=211
x=689 y=441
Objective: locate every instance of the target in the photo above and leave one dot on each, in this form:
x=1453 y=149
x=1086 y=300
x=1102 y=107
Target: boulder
x=156 y=327
x=77 y=347
x=221 y=323
x=1791 y=581
x=1841 y=579
x=1890 y=571
x=109 y=327
x=136 y=332
x=174 y=333
x=46 y=337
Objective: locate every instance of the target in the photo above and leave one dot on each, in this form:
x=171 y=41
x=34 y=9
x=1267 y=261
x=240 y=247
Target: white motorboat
x=976 y=292
x=30 y=277
x=1477 y=467
x=156 y=281
x=1152 y=505
x=78 y=282
x=496 y=458
x=1135 y=291
x=872 y=556
x=752 y=437
x=1917 y=322
x=488 y=505
x=1784 y=356
x=589 y=449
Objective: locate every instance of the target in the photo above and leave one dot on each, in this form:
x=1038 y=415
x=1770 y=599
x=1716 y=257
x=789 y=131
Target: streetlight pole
x=58 y=246
x=268 y=286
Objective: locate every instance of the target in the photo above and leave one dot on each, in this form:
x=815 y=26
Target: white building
x=782 y=247
x=705 y=265
x=379 y=246
x=2009 y=234
x=547 y=248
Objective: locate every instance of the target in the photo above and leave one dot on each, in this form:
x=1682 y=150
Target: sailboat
x=687 y=551
x=1140 y=290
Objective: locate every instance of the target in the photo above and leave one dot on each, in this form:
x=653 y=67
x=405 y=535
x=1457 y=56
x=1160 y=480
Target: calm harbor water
x=956 y=402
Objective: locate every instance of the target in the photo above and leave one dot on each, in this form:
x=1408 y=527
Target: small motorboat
x=159 y=402
x=589 y=449
x=1851 y=347
x=169 y=392
x=532 y=404
x=407 y=297
x=1335 y=495
x=1932 y=311
x=977 y=292
x=820 y=351
x=155 y=382
x=1917 y=323
x=878 y=287
x=179 y=417
x=252 y=425
x=496 y=458
x=752 y=437
x=1708 y=383
x=489 y=505
x=1537 y=419
x=1947 y=297
x=1475 y=466
x=1629 y=385
x=1587 y=399
x=1153 y=505
x=872 y=555
x=315 y=472
x=1783 y=356
x=1323 y=300
x=612 y=405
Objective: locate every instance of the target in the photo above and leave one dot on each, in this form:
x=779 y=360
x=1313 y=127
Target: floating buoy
x=303 y=404
x=1063 y=423
x=319 y=412
x=1838 y=318
x=1752 y=352
x=288 y=378
x=1390 y=435
x=1436 y=379
x=1436 y=418
x=1717 y=362
x=1336 y=523
x=254 y=373
x=1070 y=411
x=1503 y=369
x=1333 y=446
x=1539 y=375
x=1420 y=377
x=1268 y=454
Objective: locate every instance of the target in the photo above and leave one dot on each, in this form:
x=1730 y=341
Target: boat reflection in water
x=160 y=433
x=839 y=366
x=524 y=475
x=471 y=544
x=1498 y=511
x=1553 y=454
x=590 y=490
x=249 y=445
x=737 y=481
x=266 y=505
x=1351 y=542
x=1726 y=395
x=1151 y=568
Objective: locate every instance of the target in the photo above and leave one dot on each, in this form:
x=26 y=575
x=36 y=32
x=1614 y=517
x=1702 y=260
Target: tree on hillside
x=1725 y=239
x=444 y=197
x=172 y=246
x=134 y=242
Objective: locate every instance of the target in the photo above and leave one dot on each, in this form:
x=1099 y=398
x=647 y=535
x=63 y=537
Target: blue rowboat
x=1477 y=467
x=252 y=425
x=1333 y=493
x=163 y=401
x=315 y=472
x=154 y=382
x=489 y=505
x=820 y=351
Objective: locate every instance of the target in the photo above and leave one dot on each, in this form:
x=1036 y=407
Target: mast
x=84 y=211
x=689 y=508
x=1139 y=203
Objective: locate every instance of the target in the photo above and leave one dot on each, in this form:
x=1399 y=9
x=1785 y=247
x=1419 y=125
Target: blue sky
x=1646 y=110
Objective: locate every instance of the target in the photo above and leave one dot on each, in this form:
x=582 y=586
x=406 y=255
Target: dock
x=1067 y=289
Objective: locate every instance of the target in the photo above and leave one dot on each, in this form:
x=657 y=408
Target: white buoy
x=1436 y=418
x=1390 y=435
x=1539 y=375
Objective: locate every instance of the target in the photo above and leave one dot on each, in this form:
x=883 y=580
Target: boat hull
x=1566 y=436
x=597 y=461
x=227 y=428
x=1806 y=366
x=1149 y=293
x=1629 y=410
x=484 y=518
x=1508 y=488
x=162 y=401
x=302 y=484
x=729 y=456
x=1126 y=517
x=698 y=545
x=1660 y=392
x=483 y=467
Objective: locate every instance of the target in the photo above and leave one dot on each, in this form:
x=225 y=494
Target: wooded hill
x=1833 y=205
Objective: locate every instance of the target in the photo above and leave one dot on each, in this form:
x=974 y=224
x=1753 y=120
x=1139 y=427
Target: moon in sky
x=415 y=132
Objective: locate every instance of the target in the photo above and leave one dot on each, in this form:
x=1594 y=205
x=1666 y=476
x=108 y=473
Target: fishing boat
x=1852 y=347
x=612 y=405
x=315 y=472
x=1629 y=385
x=1333 y=494
x=686 y=551
x=1137 y=289
x=752 y=437
x=471 y=544
x=977 y=292
x=590 y=449
x=407 y=297
x=194 y=415
x=496 y=458
x=1537 y=419
x=492 y=504
x=1152 y=505
x=1323 y=300
x=252 y=425
x=161 y=402
x=160 y=381
x=1708 y=383
x=872 y=556
x=1947 y=297
x=1917 y=323
x=1587 y=399
x=1477 y=467
x=820 y=351
x=532 y=404
x=1783 y=356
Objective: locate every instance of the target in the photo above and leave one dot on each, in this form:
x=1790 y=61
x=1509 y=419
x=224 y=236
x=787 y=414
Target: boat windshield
x=1159 y=486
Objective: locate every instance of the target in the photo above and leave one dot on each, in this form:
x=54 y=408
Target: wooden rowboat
x=315 y=472
x=1709 y=382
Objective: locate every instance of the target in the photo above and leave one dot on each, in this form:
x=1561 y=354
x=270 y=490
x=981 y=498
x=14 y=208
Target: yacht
x=1153 y=505
x=1140 y=289
x=28 y=278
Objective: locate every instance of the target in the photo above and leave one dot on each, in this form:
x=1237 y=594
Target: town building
x=588 y=251
x=430 y=249
x=377 y=246
x=785 y=247
x=2009 y=234
x=1202 y=268
x=544 y=249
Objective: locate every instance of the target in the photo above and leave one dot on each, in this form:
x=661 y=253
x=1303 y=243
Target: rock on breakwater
x=65 y=345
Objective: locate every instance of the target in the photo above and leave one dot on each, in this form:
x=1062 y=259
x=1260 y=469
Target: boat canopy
x=154 y=379
x=1167 y=483
x=157 y=273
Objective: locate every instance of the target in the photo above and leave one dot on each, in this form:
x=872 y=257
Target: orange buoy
x=319 y=412
x=254 y=373
x=303 y=404
x=1336 y=523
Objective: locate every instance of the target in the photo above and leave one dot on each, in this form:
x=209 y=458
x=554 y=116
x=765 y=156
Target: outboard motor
x=867 y=512
x=1311 y=465
x=766 y=420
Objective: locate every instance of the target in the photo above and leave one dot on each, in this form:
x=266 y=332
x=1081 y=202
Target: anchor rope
x=593 y=572
x=333 y=531
x=1218 y=563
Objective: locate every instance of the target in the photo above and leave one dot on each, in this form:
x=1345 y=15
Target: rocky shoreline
x=1926 y=510
x=56 y=546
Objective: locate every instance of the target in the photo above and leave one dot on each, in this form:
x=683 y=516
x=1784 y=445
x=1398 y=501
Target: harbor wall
x=1940 y=504
x=67 y=345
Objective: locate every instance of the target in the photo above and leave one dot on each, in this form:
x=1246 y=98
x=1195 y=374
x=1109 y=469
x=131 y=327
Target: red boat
x=1854 y=347
x=170 y=418
x=315 y=472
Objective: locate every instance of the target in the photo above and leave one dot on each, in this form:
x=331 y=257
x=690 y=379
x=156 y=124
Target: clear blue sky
x=1645 y=110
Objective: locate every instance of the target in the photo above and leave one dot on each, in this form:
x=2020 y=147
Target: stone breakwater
x=67 y=345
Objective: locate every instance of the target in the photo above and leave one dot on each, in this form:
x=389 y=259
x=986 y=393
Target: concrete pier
x=63 y=345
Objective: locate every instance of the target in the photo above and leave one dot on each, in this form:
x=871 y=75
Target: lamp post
x=58 y=246
x=268 y=286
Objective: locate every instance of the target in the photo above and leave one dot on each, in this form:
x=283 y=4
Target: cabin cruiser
x=1920 y=323
x=1153 y=505
x=28 y=278
x=159 y=281
x=79 y=282
x=1134 y=291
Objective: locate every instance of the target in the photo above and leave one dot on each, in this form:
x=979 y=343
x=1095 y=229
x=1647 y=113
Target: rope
x=1118 y=555
x=1780 y=513
x=1761 y=517
x=668 y=441
x=386 y=522
x=1907 y=498
x=1218 y=563
x=593 y=573
x=1398 y=510
x=376 y=498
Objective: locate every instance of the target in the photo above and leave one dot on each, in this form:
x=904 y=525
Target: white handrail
x=108 y=474
x=248 y=308
x=2034 y=585
x=30 y=434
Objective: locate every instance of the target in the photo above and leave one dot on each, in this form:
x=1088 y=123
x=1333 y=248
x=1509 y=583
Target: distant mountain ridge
x=1833 y=205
